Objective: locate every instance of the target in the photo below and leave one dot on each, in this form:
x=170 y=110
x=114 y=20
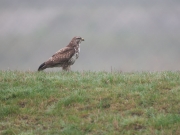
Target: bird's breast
x=79 y=48
x=73 y=59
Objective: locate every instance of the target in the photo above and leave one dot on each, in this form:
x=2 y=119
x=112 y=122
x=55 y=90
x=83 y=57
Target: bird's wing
x=61 y=56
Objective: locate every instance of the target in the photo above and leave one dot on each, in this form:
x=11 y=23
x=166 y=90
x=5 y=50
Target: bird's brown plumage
x=65 y=57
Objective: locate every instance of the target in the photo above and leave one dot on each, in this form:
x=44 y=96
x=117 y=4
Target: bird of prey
x=65 y=57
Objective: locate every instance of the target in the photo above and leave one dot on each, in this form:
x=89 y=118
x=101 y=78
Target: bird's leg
x=66 y=68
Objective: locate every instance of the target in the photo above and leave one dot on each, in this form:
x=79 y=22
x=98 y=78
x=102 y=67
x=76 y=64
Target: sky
x=119 y=35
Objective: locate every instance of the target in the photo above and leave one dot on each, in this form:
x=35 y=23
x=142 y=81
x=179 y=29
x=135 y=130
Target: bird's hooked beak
x=82 y=39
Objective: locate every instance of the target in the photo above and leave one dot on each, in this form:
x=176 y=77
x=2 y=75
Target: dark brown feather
x=65 y=57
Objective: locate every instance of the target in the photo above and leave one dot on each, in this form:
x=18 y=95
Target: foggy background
x=119 y=34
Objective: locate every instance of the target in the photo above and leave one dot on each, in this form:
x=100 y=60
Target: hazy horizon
x=119 y=35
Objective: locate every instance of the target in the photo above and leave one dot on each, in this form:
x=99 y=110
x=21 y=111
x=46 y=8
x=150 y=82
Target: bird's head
x=76 y=40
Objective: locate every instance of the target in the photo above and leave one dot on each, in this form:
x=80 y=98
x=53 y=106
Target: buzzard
x=65 y=57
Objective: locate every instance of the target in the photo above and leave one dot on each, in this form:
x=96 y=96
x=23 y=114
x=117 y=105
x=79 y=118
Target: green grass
x=92 y=103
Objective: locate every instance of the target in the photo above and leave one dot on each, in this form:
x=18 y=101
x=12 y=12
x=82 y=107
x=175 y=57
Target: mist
x=119 y=35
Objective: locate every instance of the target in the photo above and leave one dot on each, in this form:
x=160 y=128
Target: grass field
x=92 y=103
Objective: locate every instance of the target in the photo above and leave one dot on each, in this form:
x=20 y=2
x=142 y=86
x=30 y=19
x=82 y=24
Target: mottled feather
x=65 y=57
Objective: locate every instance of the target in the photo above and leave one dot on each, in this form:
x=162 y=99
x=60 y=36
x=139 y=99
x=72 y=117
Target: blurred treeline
x=120 y=35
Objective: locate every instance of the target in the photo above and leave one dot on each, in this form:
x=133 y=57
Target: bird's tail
x=42 y=67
